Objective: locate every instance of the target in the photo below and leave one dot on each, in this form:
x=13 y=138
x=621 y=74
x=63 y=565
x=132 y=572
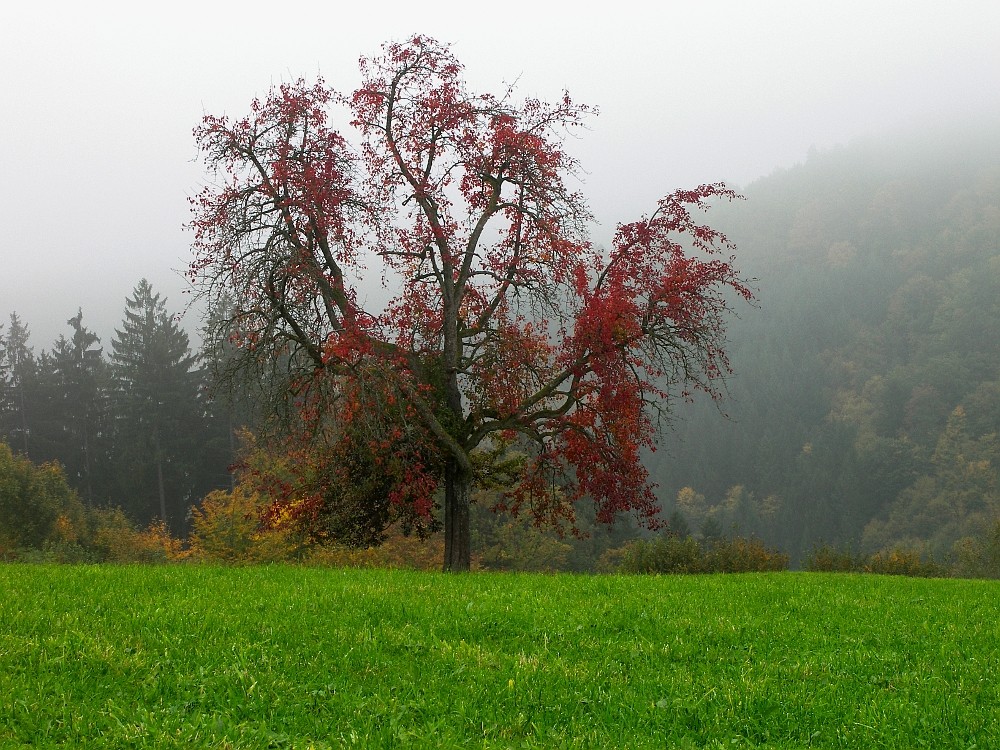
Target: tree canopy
x=512 y=343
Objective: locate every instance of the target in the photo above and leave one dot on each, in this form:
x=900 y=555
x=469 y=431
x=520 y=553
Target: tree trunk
x=457 y=473
x=159 y=478
x=163 y=495
x=457 y=539
x=88 y=486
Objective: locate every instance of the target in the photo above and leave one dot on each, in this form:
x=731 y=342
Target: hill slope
x=867 y=397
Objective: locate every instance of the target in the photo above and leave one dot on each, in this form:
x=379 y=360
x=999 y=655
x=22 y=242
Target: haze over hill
x=866 y=401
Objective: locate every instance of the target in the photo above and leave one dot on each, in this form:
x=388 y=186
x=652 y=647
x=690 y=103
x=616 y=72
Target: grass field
x=286 y=657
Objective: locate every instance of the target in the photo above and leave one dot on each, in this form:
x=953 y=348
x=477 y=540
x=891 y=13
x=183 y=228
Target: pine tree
x=82 y=381
x=158 y=413
x=19 y=368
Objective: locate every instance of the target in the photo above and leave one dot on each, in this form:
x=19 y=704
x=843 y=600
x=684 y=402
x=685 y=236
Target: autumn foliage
x=508 y=331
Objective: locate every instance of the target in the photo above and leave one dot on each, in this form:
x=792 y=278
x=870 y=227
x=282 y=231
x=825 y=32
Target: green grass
x=286 y=657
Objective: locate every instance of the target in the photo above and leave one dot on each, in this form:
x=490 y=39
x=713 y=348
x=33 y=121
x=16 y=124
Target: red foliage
x=507 y=322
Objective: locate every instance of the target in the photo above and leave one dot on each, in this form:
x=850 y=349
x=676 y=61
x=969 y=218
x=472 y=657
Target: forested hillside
x=866 y=402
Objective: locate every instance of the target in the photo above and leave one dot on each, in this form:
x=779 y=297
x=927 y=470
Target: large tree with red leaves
x=512 y=345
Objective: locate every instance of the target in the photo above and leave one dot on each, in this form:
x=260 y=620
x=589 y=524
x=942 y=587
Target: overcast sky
x=99 y=100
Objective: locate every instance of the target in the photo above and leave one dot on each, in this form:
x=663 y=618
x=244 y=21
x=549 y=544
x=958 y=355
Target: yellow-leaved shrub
x=226 y=527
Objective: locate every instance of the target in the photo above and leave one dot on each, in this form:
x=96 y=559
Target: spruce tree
x=19 y=371
x=158 y=413
x=82 y=381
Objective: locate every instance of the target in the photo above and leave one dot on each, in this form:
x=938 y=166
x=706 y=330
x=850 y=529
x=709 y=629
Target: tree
x=958 y=497
x=158 y=410
x=232 y=404
x=508 y=324
x=20 y=371
x=83 y=382
x=225 y=526
x=32 y=500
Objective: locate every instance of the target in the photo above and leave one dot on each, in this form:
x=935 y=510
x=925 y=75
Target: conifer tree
x=158 y=410
x=82 y=382
x=19 y=370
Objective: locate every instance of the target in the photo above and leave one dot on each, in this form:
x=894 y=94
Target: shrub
x=664 y=554
x=117 y=540
x=741 y=555
x=979 y=556
x=905 y=562
x=36 y=504
x=226 y=527
x=522 y=546
x=611 y=560
x=672 y=554
x=897 y=562
x=397 y=551
x=70 y=553
x=826 y=558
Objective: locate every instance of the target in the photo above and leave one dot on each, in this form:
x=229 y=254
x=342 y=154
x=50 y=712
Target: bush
x=828 y=559
x=979 y=556
x=70 y=553
x=523 y=547
x=226 y=527
x=611 y=560
x=672 y=554
x=36 y=504
x=741 y=555
x=117 y=540
x=904 y=562
x=397 y=551
x=896 y=562
x=664 y=554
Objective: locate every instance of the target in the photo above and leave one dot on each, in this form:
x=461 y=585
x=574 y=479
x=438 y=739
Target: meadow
x=293 y=657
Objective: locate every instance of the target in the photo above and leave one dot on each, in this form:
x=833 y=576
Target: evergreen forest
x=129 y=420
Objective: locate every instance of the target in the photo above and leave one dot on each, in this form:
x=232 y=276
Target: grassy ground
x=283 y=657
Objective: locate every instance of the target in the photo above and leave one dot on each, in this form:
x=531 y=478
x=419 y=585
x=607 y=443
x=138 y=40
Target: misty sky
x=99 y=100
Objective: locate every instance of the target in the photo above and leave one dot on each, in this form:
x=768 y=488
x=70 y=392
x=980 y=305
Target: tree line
x=131 y=420
x=139 y=451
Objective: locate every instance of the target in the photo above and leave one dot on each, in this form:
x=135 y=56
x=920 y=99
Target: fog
x=100 y=98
